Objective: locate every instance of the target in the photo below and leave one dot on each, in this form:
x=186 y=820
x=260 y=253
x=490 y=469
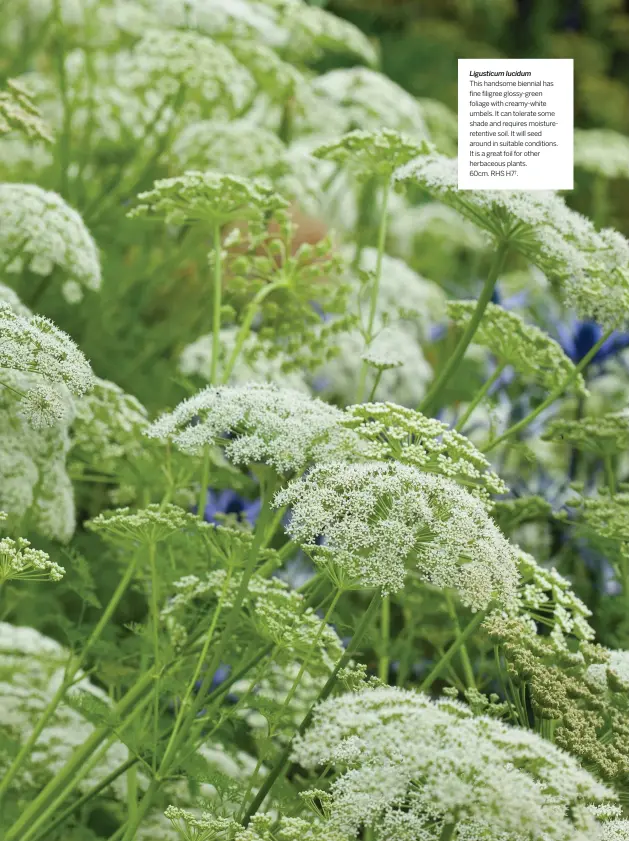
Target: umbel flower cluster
x=314 y=484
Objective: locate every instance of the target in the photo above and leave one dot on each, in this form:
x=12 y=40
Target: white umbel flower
x=257 y=362
x=19 y=561
x=220 y=18
x=410 y=768
x=405 y=382
x=236 y=147
x=108 y=426
x=371 y=101
x=33 y=479
x=592 y=266
x=380 y=519
x=51 y=365
x=602 y=152
x=257 y=423
x=167 y=60
x=41 y=232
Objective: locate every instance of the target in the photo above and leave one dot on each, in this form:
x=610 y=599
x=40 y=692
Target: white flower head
x=225 y=19
x=19 y=561
x=311 y=31
x=406 y=383
x=33 y=477
x=281 y=427
x=258 y=361
x=549 y=599
x=406 y=435
x=41 y=232
x=208 y=197
x=592 y=266
x=412 y=767
x=34 y=666
x=174 y=60
x=108 y=425
x=372 y=101
x=149 y=525
x=603 y=152
x=379 y=519
x=36 y=346
x=233 y=147
x=371 y=153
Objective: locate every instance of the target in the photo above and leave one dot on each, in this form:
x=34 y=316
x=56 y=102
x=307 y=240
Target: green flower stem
x=89 y=795
x=479 y=396
x=154 y=606
x=282 y=760
x=385 y=634
x=465 y=659
x=375 y=286
x=610 y=475
x=323 y=625
x=41 y=823
x=449 y=654
x=245 y=327
x=266 y=515
x=366 y=201
x=66 y=129
x=216 y=309
x=205 y=480
x=68 y=679
x=71 y=772
x=600 y=201
x=376 y=383
x=456 y=358
x=517 y=427
x=199 y=666
x=447 y=833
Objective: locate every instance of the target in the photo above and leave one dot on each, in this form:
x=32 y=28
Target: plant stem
x=69 y=676
x=283 y=758
x=154 y=602
x=245 y=327
x=71 y=771
x=375 y=286
x=456 y=358
x=551 y=397
x=609 y=474
x=205 y=479
x=201 y=660
x=600 y=201
x=449 y=654
x=64 y=141
x=216 y=312
x=480 y=395
x=93 y=792
x=447 y=833
x=266 y=515
x=465 y=659
x=304 y=665
x=385 y=634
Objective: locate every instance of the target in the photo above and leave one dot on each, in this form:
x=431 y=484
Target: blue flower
x=579 y=337
x=230 y=502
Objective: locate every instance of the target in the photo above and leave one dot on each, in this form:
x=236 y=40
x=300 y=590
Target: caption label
x=516 y=124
